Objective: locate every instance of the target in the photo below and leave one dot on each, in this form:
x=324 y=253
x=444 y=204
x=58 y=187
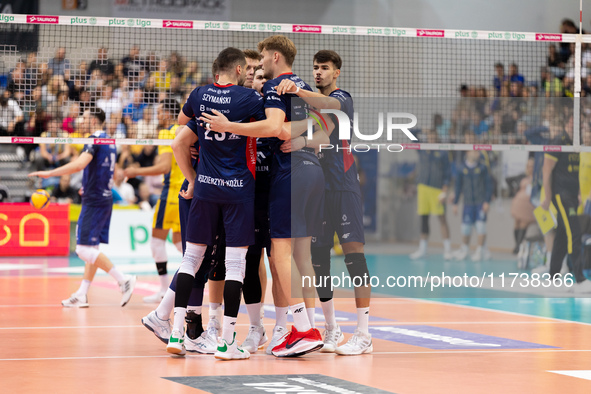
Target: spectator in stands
x=514 y=75
x=59 y=64
x=193 y=76
x=144 y=200
x=17 y=83
x=102 y=63
x=550 y=85
x=135 y=109
x=32 y=73
x=176 y=64
x=522 y=209
x=123 y=192
x=86 y=102
x=442 y=127
x=68 y=125
x=567 y=26
x=11 y=116
x=64 y=193
x=162 y=76
x=134 y=67
x=499 y=78
x=146 y=127
x=554 y=58
x=52 y=155
x=115 y=127
x=58 y=108
x=176 y=91
x=108 y=102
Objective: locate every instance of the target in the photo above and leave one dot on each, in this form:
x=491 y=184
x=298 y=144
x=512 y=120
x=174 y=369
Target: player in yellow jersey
x=166 y=215
x=584 y=179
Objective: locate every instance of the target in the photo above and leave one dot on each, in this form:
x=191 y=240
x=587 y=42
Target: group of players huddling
x=230 y=208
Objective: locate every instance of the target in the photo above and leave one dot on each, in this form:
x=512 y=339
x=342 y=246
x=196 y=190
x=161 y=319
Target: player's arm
x=317 y=100
x=162 y=166
x=72 y=167
x=549 y=164
x=269 y=127
x=185 y=138
x=183 y=119
x=320 y=136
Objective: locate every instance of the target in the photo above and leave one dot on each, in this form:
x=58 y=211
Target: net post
x=577 y=95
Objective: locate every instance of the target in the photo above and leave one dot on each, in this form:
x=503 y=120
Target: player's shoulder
x=338 y=93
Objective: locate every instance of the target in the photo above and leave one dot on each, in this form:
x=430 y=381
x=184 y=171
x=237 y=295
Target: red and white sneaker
x=298 y=343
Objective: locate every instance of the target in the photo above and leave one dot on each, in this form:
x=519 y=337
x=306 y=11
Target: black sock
x=184 y=285
x=232 y=294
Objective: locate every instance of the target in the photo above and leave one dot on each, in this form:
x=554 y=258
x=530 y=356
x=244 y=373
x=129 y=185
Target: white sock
x=311 y=316
x=363 y=320
x=165 y=307
x=117 y=275
x=262 y=316
x=215 y=311
x=329 y=316
x=254 y=313
x=164 y=282
x=446 y=245
x=229 y=328
x=300 y=317
x=83 y=290
x=194 y=309
x=281 y=316
x=423 y=245
x=179 y=319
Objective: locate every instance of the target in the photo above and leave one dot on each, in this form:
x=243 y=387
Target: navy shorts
x=262 y=234
x=93 y=225
x=343 y=214
x=473 y=214
x=307 y=200
x=204 y=222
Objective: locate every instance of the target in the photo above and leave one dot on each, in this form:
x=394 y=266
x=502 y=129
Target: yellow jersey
x=174 y=179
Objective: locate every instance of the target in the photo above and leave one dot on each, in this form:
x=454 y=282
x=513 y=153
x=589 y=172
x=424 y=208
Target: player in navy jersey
x=292 y=220
x=98 y=163
x=222 y=188
x=343 y=211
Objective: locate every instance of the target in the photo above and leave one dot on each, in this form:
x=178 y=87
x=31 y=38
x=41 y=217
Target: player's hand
x=485 y=207
x=130 y=172
x=455 y=209
x=442 y=197
x=293 y=145
x=216 y=122
x=546 y=204
x=41 y=174
x=187 y=194
x=194 y=152
x=286 y=86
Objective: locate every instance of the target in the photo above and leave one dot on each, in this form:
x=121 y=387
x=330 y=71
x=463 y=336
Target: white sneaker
x=127 y=289
x=583 y=287
x=176 y=343
x=160 y=328
x=460 y=254
x=447 y=255
x=231 y=351
x=332 y=339
x=278 y=334
x=155 y=298
x=359 y=343
x=206 y=343
x=76 y=301
x=419 y=254
x=255 y=339
x=477 y=256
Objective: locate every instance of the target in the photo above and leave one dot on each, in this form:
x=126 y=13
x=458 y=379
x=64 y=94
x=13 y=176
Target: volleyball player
x=223 y=188
x=98 y=163
x=343 y=211
x=290 y=226
x=166 y=213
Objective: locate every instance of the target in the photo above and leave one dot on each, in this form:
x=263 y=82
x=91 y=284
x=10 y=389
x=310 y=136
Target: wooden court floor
x=419 y=347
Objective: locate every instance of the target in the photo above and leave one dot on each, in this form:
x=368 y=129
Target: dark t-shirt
x=565 y=176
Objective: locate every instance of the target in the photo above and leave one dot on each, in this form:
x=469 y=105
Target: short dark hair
x=214 y=68
x=252 y=54
x=171 y=106
x=499 y=65
x=99 y=114
x=325 y=56
x=230 y=58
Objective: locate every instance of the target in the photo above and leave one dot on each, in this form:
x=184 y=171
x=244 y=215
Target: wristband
x=297 y=90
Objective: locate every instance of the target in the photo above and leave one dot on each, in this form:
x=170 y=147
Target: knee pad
x=424 y=224
x=235 y=264
x=158 y=247
x=480 y=227
x=466 y=229
x=321 y=260
x=357 y=267
x=88 y=254
x=192 y=259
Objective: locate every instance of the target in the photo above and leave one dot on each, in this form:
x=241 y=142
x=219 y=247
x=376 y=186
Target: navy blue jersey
x=474 y=183
x=97 y=179
x=264 y=160
x=192 y=124
x=434 y=168
x=283 y=161
x=227 y=161
x=340 y=171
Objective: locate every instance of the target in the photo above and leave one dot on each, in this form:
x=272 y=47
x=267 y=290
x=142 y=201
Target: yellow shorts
x=166 y=216
x=428 y=201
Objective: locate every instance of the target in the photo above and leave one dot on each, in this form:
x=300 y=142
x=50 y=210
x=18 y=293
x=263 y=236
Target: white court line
x=448 y=352
x=375 y=323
